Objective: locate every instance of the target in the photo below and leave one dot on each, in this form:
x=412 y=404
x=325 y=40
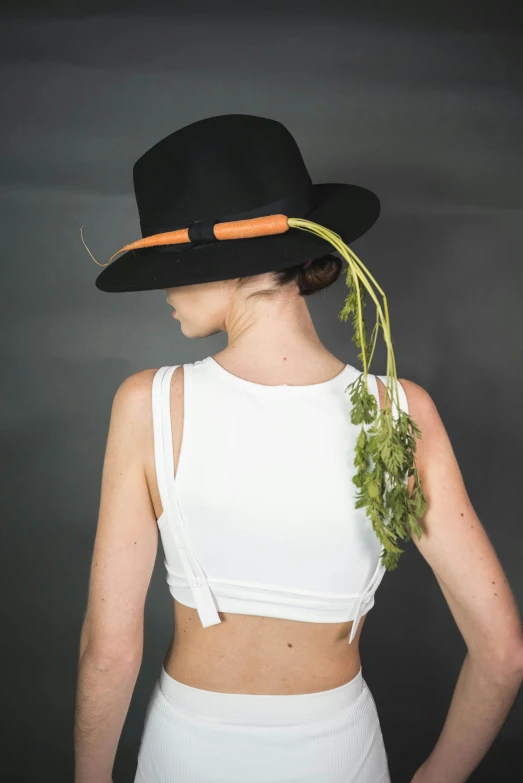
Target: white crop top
x=259 y=518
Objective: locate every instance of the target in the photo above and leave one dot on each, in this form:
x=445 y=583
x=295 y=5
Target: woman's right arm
x=463 y=560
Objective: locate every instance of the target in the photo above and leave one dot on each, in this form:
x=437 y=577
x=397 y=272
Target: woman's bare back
x=246 y=653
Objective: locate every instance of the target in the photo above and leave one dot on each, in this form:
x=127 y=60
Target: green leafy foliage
x=386 y=445
x=384 y=458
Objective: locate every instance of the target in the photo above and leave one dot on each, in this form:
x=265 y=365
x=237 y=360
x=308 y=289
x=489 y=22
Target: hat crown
x=215 y=167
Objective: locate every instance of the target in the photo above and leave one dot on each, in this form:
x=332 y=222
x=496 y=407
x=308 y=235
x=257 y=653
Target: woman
x=267 y=470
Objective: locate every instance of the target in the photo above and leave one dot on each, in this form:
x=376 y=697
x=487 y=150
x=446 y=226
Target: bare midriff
x=263 y=655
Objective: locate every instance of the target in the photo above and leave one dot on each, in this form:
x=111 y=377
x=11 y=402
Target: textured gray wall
x=422 y=105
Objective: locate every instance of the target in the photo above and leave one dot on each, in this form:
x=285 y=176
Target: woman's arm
x=480 y=703
x=464 y=562
x=124 y=554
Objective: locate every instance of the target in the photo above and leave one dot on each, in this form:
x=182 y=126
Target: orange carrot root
x=236 y=229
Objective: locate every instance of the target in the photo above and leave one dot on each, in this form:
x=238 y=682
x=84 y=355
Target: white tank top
x=259 y=518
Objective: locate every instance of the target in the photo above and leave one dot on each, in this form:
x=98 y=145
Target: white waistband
x=260 y=709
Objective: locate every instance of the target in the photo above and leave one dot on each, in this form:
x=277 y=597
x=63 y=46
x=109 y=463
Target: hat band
x=299 y=203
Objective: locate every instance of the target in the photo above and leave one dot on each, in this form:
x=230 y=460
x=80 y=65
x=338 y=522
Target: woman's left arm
x=457 y=548
x=124 y=554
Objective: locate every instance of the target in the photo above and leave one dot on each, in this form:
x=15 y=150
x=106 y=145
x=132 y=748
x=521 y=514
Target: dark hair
x=321 y=273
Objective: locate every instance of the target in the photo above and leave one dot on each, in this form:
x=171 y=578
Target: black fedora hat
x=227 y=168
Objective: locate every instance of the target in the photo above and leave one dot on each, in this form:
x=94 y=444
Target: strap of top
x=379 y=573
x=164 y=462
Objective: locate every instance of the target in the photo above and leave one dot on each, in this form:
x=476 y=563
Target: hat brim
x=348 y=210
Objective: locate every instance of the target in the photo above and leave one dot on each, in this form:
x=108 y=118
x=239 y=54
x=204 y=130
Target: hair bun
x=319 y=274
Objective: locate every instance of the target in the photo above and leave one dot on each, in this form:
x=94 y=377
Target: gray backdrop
x=422 y=105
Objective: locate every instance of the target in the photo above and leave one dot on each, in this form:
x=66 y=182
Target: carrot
x=236 y=229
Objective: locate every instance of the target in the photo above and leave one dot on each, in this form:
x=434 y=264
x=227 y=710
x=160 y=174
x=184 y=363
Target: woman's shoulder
x=131 y=407
x=138 y=385
x=135 y=393
x=424 y=412
x=418 y=398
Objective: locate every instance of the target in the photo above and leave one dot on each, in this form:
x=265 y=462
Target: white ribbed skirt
x=192 y=735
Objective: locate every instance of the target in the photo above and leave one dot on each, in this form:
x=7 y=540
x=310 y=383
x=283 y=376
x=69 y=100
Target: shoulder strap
x=164 y=463
x=163 y=452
